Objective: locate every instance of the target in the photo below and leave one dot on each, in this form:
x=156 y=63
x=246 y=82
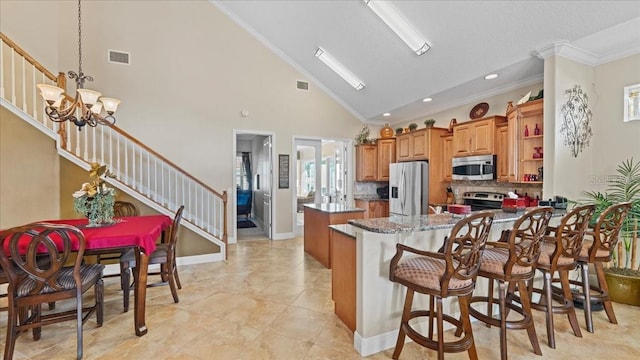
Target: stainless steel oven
x=480 y=200
x=480 y=167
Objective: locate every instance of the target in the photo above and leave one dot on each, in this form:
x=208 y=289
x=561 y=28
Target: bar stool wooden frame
x=597 y=252
x=511 y=262
x=440 y=275
x=559 y=256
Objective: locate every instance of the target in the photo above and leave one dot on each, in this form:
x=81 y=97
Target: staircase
x=139 y=171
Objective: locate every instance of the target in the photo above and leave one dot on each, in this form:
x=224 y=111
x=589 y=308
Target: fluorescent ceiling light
x=399 y=25
x=427 y=99
x=339 y=69
x=491 y=76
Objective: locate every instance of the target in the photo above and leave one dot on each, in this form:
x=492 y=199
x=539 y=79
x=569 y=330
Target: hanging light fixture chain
x=79 y=39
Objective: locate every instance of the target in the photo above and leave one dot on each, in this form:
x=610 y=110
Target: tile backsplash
x=366 y=188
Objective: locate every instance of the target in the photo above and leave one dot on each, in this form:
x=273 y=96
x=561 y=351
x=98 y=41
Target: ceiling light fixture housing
x=491 y=76
x=386 y=114
x=339 y=69
x=427 y=100
x=394 y=20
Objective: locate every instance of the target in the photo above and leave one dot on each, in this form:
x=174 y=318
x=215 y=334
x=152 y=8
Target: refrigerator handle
x=404 y=193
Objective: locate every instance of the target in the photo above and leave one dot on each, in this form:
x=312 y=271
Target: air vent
x=303 y=85
x=119 y=57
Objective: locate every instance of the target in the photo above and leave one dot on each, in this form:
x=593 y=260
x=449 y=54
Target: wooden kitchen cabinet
x=447 y=156
x=530 y=115
x=476 y=137
x=373 y=208
x=426 y=144
x=366 y=162
x=372 y=160
x=386 y=156
x=502 y=153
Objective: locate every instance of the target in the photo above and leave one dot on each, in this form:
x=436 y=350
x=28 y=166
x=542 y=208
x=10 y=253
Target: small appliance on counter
x=383 y=192
x=459 y=209
x=558 y=202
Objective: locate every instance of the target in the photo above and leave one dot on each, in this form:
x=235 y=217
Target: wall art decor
x=283 y=171
x=632 y=102
x=576 y=120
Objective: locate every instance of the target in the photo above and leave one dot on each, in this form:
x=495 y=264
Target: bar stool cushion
x=545 y=256
x=494 y=260
x=586 y=246
x=426 y=272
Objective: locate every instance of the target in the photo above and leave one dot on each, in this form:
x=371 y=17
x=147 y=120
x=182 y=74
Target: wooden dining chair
x=440 y=275
x=164 y=255
x=120 y=209
x=33 y=281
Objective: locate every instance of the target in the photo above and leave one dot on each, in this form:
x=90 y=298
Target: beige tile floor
x=271 y=301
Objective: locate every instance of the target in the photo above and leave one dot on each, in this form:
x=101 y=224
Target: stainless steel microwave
x=481 y=167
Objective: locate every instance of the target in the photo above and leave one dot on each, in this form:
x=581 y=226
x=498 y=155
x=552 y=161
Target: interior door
x=267 y=170
x=308 y=178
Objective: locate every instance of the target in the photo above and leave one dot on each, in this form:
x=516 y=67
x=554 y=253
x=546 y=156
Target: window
x=242 y=178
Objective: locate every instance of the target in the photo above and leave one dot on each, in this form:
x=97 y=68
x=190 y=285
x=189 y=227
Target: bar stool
x=559 y=255
x=511 y=262
x=440 y=275
x=597 y=251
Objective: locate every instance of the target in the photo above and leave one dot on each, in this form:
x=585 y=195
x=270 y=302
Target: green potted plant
x=413 y=126
x=429 y=123
x=363 y=135
x=625 y=265
x=399 y=131
x=95 y=199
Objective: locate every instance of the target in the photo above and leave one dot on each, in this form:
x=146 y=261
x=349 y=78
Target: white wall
x=192 y=71
x=613 y=139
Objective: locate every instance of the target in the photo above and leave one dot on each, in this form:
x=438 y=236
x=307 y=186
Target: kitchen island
x=379 y=302
x=317 y=218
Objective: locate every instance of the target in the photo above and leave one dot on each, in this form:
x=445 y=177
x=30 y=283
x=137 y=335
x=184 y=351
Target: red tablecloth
x=141 y=231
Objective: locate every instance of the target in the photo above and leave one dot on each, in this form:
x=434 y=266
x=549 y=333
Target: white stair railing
x=139 y=171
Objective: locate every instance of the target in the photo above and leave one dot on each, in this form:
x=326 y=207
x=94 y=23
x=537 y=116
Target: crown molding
x=567 y=50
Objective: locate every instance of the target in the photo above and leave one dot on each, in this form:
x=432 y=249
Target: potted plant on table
x=625 y=265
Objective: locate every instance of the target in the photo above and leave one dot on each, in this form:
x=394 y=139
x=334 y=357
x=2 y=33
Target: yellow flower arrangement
x=95 y=200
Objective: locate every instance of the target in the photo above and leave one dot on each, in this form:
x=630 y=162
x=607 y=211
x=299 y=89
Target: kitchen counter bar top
x=333 y=208
x=400 y=224
x=345 y=229
x=370 y=198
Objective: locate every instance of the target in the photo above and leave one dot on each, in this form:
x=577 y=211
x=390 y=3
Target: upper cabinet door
x=386 y=156
x=366 y=162
x=404 y=145
x=482 y=137
x=462 y=140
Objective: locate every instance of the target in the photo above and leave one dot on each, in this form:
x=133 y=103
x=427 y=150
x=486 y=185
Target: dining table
x=139 y=233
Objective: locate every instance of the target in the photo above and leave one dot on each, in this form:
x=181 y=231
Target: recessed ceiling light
x=386 y=114
x=491 y=76
x=427 y=99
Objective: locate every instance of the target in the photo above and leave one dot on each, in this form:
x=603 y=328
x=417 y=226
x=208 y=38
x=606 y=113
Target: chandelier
x=85 y=108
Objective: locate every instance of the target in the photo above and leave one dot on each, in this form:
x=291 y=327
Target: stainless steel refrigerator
x=409 y=188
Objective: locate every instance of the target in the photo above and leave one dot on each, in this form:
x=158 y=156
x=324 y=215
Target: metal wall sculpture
x=576 y=120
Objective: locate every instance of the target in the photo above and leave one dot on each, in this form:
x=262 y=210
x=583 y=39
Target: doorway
x=253 y=164
x=320 y=175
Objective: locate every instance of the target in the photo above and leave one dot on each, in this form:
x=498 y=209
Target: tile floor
x=271 y=301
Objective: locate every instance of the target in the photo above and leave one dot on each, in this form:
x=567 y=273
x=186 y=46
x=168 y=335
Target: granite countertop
x=370 y=198
x=346 y=229
x=333 y=208
x=397 y=223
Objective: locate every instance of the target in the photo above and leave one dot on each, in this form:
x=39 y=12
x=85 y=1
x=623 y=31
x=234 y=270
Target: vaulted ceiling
x=469 y=39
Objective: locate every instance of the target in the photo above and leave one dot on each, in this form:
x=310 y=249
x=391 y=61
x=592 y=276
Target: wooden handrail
x=24 y=54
